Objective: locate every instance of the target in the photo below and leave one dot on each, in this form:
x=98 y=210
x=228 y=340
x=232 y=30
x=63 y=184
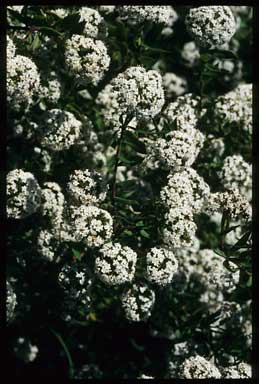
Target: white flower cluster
x=161 y=266
x=184 y=112
x=232 y=69
x=23 y=194
x=174 y=85
x=212 y=271
x=187 y=262
x=88 y=371
x=179 y=228
x=211 y=26
x=27 y=128
x=186 y=191
x=76 y=285
x=235 y=107
x=22 y=80
x=52 y=91
x=91 y=225
x=185 y=188
x=16 y=8
x=43 y=158
x=197 y=367
x=190 y=54
x=53 y=202
x=240 y=371
x=214 y=146
x=25 y=350
x=115 y=264
x=247 y=330
x=242 y=12
x=59 y=130
x=93 y=22
x=233 y=236
x=178 y=353
x=106 y=9
x=135 y=14
x=60 y=12
x=181 y=145
x=237 y=173
x=145 y=377
x=138 y=302
x=10 y=48
x=178 y=150
x=134 y=92
x=86 y=187
x=11 y=302
x=86 y=59
x=229 y=313
x=47 y=245
x=231 y=202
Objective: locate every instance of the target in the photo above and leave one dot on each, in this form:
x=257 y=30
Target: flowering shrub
x=129 y=189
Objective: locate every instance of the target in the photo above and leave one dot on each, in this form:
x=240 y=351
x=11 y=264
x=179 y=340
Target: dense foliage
x=129 y=191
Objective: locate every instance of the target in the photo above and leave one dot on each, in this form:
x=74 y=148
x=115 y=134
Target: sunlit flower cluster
x=137 y=302
x=135 y=92
x=86 y=59
x=156 y=14
x=23 y=194
x=59 y=130
x=116 y=264
x=211 y=26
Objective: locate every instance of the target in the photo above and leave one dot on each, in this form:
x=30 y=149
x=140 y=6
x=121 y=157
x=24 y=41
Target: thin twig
x=18 y=28
x=70 y=362
x=123 y=128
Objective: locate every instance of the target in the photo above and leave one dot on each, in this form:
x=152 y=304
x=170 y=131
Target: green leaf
x=143 y=233
x=134 y=142
x=223 y=54
x=227 y=265
x=140 y=224
x=124 y=160
x=36 y=42
x=230 y=229
x=125 y=201
x=242 y=243
x=249 y=282
x=92 y=316
x=138 y=42
x=78 y=255
x=127 y=232
x=50 y=31
x=205 y=57
x=71 y=23
x=219 y=252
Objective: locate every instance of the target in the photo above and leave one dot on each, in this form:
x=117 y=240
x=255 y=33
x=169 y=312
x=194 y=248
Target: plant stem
x=123 y=128
x=18 y=28
x=70 y=362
